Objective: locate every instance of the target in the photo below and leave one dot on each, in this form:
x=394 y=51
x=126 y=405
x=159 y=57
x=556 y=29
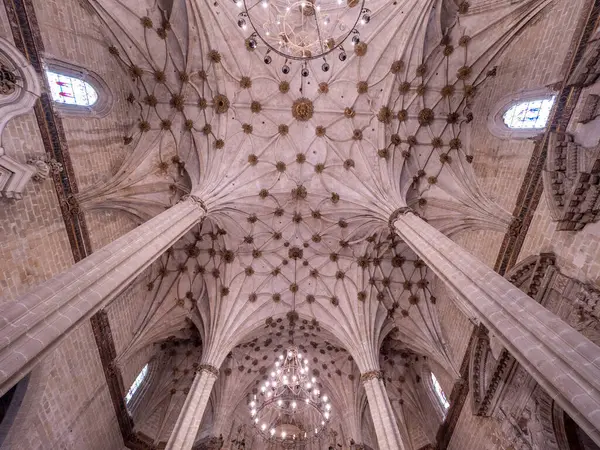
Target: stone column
x=561 y=360
x=386 y=429
x=400 y=416
x=35 y=323
x=188 y=422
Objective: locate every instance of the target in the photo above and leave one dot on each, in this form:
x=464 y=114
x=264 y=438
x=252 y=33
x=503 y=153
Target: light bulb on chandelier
x=289 y=404
x=302 y=29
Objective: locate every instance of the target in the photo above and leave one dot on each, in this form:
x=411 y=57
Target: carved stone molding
x=19 y=89
x=371 y=375
x=44 y=167
x=194 y=199
x=587 y=70
x=490 y=377
x=529 y=273
x=209 y=368
x=8 y=81
x=567 y=96
x=14 y=176
x=572 y=182
x=19 y=84
x=399 y=212
x=487 y=387
x=28 y=41
x=210 y=443
x=502 y=388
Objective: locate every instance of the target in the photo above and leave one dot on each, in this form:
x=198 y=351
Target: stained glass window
x=439 y=392
x=71 y=90
x=136 y=383
x=532 y=114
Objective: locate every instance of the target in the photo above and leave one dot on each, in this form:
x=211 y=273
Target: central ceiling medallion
x=290 y=408
x=302 y=29
x=302 y=109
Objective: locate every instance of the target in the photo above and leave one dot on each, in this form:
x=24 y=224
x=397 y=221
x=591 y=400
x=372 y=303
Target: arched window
x=521 y=115
x=77 y=91
x=532 y=114
x=136 y=383
x=439 y=392
x=71 y=90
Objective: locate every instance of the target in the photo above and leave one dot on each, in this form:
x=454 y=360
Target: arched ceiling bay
x=300 y=176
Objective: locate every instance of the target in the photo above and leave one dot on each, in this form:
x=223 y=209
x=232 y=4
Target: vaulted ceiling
x=300 y=176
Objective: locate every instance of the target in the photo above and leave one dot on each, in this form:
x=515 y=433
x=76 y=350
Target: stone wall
x=537 y=59
x=477 y=433
x=36 y=245
x=67 y=404
x=577 y=252
x=123 y=315
x=74 y=35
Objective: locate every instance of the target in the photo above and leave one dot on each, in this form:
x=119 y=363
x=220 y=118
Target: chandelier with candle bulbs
x=302 y=29
x=290 y=408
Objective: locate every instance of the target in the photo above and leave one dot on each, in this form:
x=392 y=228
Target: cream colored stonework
x=229 y=219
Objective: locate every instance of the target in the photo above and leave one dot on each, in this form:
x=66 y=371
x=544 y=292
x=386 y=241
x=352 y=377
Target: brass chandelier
x=290 y=408
x=302 y=30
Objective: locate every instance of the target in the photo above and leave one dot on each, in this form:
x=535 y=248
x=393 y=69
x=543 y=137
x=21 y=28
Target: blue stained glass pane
x=439 y=392
x=71 y=90
x=529 y=115
x=136 y=383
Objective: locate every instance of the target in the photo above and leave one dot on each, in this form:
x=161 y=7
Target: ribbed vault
x=300 y=176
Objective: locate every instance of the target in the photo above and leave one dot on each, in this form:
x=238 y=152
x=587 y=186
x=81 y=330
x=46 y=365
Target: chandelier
x=290 y=408
x=302 y=29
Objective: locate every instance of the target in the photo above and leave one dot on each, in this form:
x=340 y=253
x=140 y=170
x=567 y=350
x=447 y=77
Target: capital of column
x=357 y=446
x=371 y=375
x=195 y=200
x=400 y=212
x=209 y=369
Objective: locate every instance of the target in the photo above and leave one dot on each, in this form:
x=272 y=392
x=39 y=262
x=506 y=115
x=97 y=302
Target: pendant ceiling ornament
x=290 y=408
x=302 y=29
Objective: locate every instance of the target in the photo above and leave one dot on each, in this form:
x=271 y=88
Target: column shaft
x=386 y=428
x=188 y=422
x=561 y=360
x=400 y=416
x=35 y=323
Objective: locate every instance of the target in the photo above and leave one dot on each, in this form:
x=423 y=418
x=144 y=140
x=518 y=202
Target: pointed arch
x=521 y=115
x=76 y=90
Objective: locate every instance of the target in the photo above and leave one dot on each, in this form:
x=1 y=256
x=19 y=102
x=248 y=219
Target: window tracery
x=521 y=115
x=532 y=114
x=136 y=384
x=440 y=392
x=71 y=90
x=77 y=91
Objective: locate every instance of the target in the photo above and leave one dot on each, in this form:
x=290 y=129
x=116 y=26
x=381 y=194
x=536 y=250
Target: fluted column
x=386 y=429
x=35 y=323
x=560 y=359
x=188 y=422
